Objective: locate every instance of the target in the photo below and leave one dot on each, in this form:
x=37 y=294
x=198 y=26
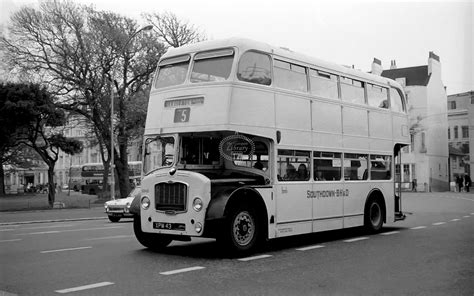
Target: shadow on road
x=210 y=249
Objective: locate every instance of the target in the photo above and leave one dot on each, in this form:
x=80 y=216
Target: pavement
x=34 y=208
x=95 y=210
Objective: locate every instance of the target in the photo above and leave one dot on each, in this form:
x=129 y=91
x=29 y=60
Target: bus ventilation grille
x=171 y=197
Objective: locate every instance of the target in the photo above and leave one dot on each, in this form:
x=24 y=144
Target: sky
x=339 y=31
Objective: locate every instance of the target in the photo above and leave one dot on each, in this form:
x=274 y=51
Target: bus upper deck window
x=172 y=71
x=212 y=66
x=255 y=67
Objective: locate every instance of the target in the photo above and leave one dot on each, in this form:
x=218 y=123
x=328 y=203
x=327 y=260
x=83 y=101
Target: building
x=426 y=160
x=77 y=128
x=461 y=134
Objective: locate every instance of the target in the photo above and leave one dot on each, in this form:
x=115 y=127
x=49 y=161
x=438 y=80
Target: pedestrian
x=459 y=183
x=467 y=182
x=413 y=185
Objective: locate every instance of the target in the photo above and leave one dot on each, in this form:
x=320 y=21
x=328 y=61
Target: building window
x=451 y=105
x=423 y=143
x=465 y=131
x=456 y=132
x=449 y=133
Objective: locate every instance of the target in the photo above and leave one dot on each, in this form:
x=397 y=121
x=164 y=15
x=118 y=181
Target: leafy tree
x=86 y=56
x=36 y=120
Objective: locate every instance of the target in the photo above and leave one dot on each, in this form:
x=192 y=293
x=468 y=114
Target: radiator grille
x=171 y=196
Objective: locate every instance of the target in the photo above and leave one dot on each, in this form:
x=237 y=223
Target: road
x=430 y=253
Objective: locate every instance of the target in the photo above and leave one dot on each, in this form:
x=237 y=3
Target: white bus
x=245 y=142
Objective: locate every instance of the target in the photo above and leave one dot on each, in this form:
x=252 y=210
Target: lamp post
x=112 y=161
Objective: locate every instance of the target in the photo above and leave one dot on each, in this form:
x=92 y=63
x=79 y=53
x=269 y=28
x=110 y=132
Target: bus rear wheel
x=373 y=217
x=150 y=240
x=241 y=231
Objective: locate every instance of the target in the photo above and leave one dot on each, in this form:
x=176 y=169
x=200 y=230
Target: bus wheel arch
x=375 y=211
x=245 y=218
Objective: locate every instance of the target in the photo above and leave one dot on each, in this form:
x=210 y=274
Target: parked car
x=120 y=208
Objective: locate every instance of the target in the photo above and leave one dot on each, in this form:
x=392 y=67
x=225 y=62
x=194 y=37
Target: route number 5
x=182 y=114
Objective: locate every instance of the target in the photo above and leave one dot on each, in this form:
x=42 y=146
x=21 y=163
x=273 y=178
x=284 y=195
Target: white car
x=119 y=208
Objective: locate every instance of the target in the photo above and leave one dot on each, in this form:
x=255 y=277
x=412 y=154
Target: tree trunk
x=2 y=180
x=51 y=186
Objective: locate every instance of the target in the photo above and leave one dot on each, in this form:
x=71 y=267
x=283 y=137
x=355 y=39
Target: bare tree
x=85 y=57
x=173 y=31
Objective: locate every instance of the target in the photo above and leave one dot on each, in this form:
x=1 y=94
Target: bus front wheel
x=373 y=217
x=150 y=240
x=241 y=230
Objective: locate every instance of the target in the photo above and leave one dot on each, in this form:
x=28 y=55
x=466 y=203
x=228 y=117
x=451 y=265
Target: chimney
x=393 y=65
x=433 y=63
x=377 y=67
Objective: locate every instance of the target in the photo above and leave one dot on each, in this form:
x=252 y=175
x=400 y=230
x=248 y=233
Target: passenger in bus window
x=290 y=173
x=302 y=173
x=319 y=176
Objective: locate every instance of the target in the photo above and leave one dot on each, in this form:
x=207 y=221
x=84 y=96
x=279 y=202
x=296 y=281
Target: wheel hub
x=243 y=228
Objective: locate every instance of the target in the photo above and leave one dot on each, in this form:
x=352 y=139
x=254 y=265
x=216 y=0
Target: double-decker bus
x=246 y=142
x=92 y=176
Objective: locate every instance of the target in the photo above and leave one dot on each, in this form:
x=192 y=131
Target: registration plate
x=169 y=226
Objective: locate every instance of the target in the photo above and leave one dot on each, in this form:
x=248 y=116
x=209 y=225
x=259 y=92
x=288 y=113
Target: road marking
x=182 y=270
x=356 y=239
x=418 y=227
x=42 y=232
x=254 y=258
x=454 y=220
x=390 y=233
x=439 y=223
x=466 y=216
x=62 y=250
x=71 y=230
x=472 y=214
x=9 y=229
x=86 y=287
x=109 y=237
x=10 y=240
x=41 y=227
x=310 y=248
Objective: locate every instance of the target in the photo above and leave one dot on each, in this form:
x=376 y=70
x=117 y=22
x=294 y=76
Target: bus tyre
x=241 y=231
x=373 y=217
x=150 y=240
x=114 y=219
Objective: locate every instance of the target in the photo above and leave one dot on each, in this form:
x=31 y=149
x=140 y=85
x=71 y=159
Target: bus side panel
x=400 y=128
x=294 y=208
x=293 y=118
x=269 y=200
x=354 y=203
x=257 y=104
x=328 y=201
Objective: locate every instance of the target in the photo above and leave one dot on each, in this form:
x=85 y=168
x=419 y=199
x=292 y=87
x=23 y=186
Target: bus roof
x=304 y=60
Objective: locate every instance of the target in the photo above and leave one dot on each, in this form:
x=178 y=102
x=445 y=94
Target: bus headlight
x=145 y=203
x=197 y=204
x=106 y=207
